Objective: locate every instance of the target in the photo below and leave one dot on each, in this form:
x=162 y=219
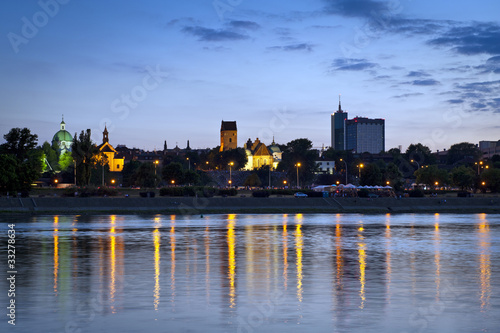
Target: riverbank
x=229 y=205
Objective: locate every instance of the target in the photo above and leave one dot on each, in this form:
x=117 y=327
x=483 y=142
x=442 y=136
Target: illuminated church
x=62 y=139
x=115 y=160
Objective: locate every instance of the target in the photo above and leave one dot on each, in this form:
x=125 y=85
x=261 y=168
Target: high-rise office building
x=365 y=135
x=338 y=119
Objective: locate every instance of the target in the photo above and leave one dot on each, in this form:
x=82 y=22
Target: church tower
x=228 y=135
x=105 y=135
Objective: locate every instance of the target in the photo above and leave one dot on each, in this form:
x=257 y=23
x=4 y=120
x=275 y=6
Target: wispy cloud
x=294 y=47
x=345 y=64
x=428 y=82
x=418 y=74
x=478 y=38
x=355 y=8
x=408 y=95
x=248 y=25
x=213 y=35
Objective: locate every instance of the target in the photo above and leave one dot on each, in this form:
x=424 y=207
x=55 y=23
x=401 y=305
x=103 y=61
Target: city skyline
x=159 y=71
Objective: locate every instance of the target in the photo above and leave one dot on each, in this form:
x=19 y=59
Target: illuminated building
x=228 y=135
x=339 y=129
x=62 y=139
x=258 y=155
x=115 y=160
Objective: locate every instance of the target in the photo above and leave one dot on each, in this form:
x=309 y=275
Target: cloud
x=248 y=25
x=428 y=82
x=478 y=38
x=294 y=47
x=355 y=8
x=417 y=74
x=408 y=95
x=345 y=64
x=212 y=35
x=455 y=101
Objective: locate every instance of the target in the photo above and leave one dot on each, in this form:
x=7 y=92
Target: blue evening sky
x=172 y=70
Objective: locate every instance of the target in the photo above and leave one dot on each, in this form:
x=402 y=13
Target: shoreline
x=248 y=205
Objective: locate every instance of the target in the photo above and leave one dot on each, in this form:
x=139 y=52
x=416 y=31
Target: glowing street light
x=418 y=165
x=298 y=166
x=189 y=163
x=361 y=166
x=341 y=160
x=284 y=183
x=172 y=182
x=230 y=173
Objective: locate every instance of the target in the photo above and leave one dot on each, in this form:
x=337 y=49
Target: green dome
x=62 y=135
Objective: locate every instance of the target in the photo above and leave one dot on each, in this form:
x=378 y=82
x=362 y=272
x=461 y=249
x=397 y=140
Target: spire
x=105 y=135
x=188 y=148
x=63 y=124
x=165 y=146
x=340 y=108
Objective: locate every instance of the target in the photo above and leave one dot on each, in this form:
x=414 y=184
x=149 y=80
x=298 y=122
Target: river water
x=254 y=273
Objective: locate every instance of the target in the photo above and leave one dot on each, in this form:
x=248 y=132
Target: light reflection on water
x=258 y=273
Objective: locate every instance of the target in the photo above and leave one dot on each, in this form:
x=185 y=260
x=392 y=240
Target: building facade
x=115 y=160
x=338 y=126
x=62 y=139
x=228 y=135
x=258 y=155
x=365 y=135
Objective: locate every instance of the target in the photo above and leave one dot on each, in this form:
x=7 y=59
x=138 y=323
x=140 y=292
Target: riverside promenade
x=231 y=205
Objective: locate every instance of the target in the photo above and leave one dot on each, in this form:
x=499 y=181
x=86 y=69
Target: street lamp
x=173 y=182
x=113 y=181
x=284 y=183
x=361 y=166
x=189 y=166
x=230 y=173
x=341 y=160
x=298 y=166
x=418 y=165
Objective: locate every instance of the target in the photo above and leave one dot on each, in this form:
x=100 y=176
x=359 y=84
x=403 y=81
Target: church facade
x=115 y=160
x=62 y=139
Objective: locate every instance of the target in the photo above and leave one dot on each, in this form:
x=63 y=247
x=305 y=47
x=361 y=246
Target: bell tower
x=228 y=135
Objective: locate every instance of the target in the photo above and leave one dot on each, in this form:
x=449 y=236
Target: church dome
x=62 y=135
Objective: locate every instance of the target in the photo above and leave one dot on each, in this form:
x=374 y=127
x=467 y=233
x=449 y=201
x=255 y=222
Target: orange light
x=56 y=181
x=173 y=181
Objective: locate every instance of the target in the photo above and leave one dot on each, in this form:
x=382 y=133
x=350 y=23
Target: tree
x=65 y=161
x=128 y=172
x=430 y=175
x=394 y=176
x=421 y=154
x=221 y=159
x=491 y=178
x=86 y=155
x=20 y=146
x=299 y=151
x=371 y=175
x=463 y=177
x=8 y=177
x=173 y=171
x=190 y=177
x=465 y=152
x=144 y=175
x=51 y=157
x=19 y=142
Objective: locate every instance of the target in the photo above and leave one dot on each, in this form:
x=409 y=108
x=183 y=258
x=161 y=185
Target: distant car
x=300 y=195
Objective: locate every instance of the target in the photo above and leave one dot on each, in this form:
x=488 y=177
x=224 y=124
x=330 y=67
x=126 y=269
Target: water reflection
x=484 y=262
x=225 y=269
x=299 y=243
x=437 y=255
x=231 y=241
x=56 y=252
x=157 y=256
x=362 y=266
